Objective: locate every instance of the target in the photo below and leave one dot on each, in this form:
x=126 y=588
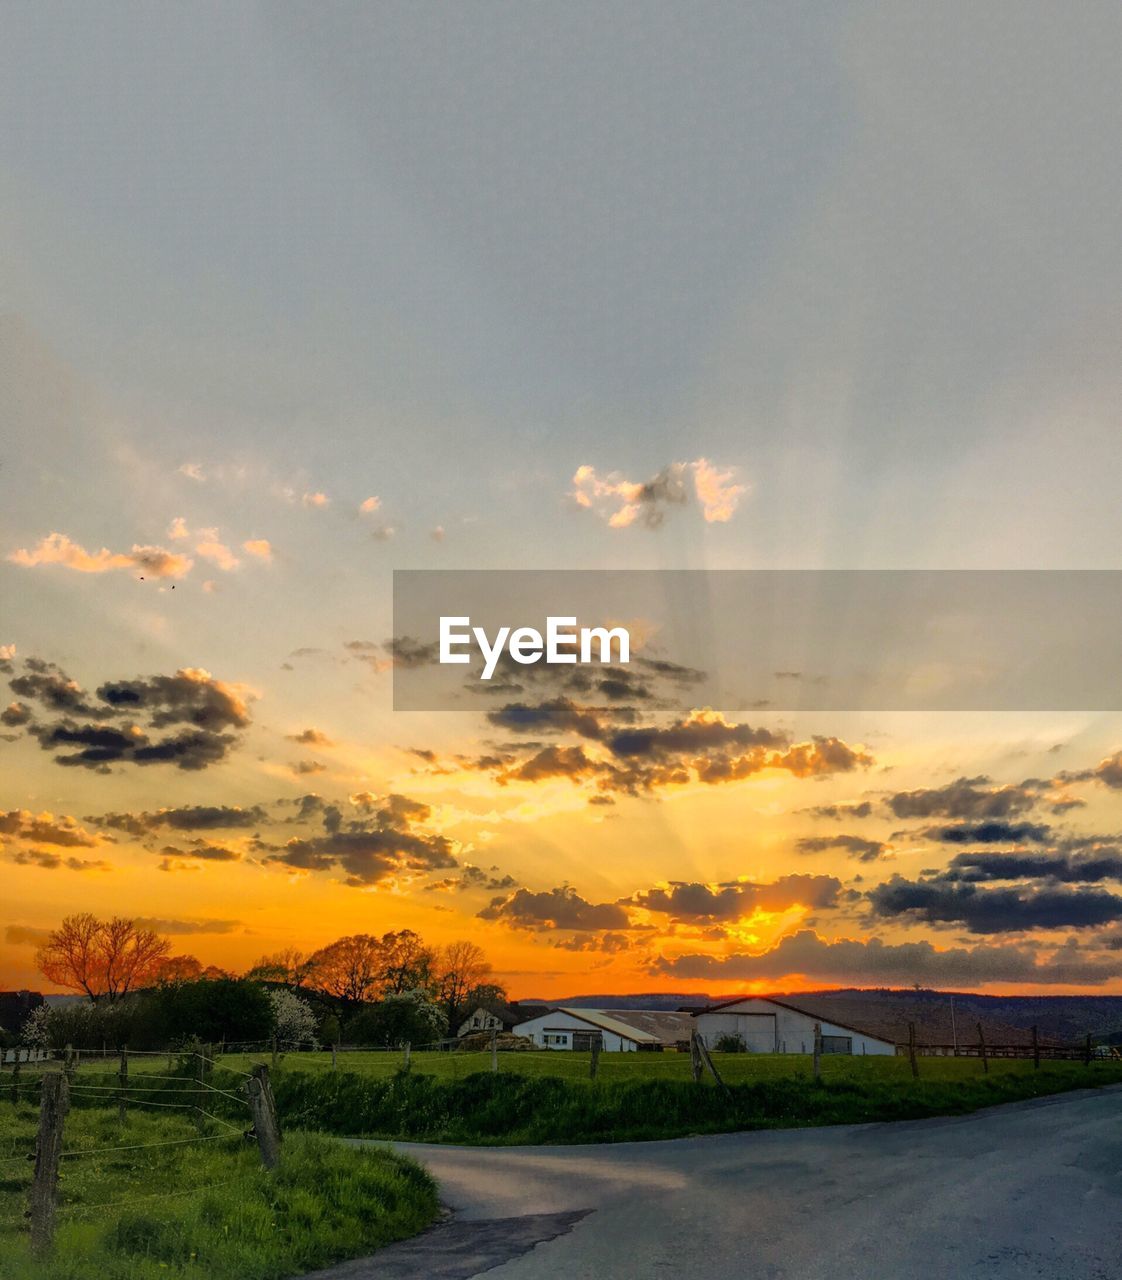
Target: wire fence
x=228 y=1106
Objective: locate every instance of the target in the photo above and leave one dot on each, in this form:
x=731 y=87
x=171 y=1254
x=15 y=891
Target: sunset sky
x=295 y=296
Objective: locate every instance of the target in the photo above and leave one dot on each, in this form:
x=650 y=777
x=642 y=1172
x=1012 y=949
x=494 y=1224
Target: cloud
x=437 y=534
x=1078 y=868
x=302 y=767
x=55 y=862
x=384 y=843
x=18 y=935
x=989 y=910
x=864 y=850
x=45 y=828
x=311 y=738
x=57 y=548
x=192 y=698
x=873 y=962
x=193 y=471
x=560 y=908
x=693 y=901
x=717 y=491
x=1108 y=772
x=188 y=927
x=186 y=818
x=965 y=798
x=841 y=811
x=316 y=501
x=622 y=502
x=259 y=548
x=178 y=530
x=369 y=505
x=993 y=832
x=15 y=715
x=210 y=548
x=203 y=851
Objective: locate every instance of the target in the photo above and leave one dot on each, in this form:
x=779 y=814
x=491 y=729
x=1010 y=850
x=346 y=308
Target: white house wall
x=770 y=1028
x=565 y=1024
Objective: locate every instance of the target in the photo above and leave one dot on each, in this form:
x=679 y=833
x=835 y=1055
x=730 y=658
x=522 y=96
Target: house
x=617 y=1030
x=484 y=1019
x=767 y=1025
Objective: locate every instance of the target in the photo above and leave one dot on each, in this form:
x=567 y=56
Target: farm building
x=483 y=1019
x=618 y=1030
x=766 y=1025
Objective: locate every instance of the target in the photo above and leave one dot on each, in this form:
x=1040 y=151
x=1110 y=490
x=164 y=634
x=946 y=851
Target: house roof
x=640 y=1026
x=805 y=1010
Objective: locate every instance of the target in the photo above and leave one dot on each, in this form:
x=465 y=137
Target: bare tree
x=461 y=966
x=103 y=958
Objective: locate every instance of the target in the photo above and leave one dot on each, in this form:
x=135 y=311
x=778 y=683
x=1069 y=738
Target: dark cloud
x=198 y=817
x=984 y=867
x=1108 y=772
x=841 y=811
x=55 y=861
x=873 y=962
x=202 y=850
x=15 y=715
x=206 y=712
x=993 y=910
x=689 y=900
x=382 y=843
x=994 y=832
x=310 y=738
x=965 y=798
x=863 y=849
x=560 y=908
x=186 y=928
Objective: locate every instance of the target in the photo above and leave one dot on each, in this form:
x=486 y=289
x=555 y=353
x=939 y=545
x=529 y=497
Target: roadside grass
x=516 y=1107
x=201 y=1210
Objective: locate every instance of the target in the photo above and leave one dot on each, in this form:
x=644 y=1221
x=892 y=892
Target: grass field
x=149 y=1199
x=644 y=1096
x=736 y=1068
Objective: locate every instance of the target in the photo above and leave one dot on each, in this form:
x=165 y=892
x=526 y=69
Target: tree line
x=361 y=988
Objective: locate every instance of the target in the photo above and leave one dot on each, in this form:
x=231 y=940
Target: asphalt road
x=1028 y=1190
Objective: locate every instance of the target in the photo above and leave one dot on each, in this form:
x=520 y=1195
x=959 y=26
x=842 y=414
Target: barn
x=618 y=1030
x=767 y=1025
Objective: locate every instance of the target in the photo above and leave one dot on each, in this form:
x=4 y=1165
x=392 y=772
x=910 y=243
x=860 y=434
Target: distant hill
x=887 y=1012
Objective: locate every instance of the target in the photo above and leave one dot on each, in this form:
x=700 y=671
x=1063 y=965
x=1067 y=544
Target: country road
x=1031 y=1190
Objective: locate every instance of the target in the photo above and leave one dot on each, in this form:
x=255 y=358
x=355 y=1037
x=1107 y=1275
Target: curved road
x=1018 y=1192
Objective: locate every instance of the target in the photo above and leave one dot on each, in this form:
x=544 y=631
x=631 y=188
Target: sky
x=295 y=296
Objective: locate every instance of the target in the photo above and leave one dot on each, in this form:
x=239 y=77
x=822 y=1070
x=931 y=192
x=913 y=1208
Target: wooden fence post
x=48 y=1146
x=15 y=1078
x=594 y=1059
x=276 y=1058
x=982 y=1047
x=912 y=1050
x=817 y=1052
x=265 y=1126
x=1035 y=1050
x=123 y=1081
x=68 y=1062
x=334 y=1057
x=408 y=1055
x=1087 y=1050
x=494 y=1049
x=695 y=1056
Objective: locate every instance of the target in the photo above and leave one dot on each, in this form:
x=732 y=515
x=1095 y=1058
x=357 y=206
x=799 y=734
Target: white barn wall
x=766 y=1027
x=563 y=1023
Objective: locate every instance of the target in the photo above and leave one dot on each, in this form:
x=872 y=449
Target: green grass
x=530 y=1106
x=736 y=1068
x=202 y=1210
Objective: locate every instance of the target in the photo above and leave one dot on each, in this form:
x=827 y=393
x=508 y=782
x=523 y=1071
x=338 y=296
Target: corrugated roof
x=640 y=1026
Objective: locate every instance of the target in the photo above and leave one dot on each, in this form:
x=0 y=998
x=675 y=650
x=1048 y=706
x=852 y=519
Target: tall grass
x=517 y=1108
x=202 y=1211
